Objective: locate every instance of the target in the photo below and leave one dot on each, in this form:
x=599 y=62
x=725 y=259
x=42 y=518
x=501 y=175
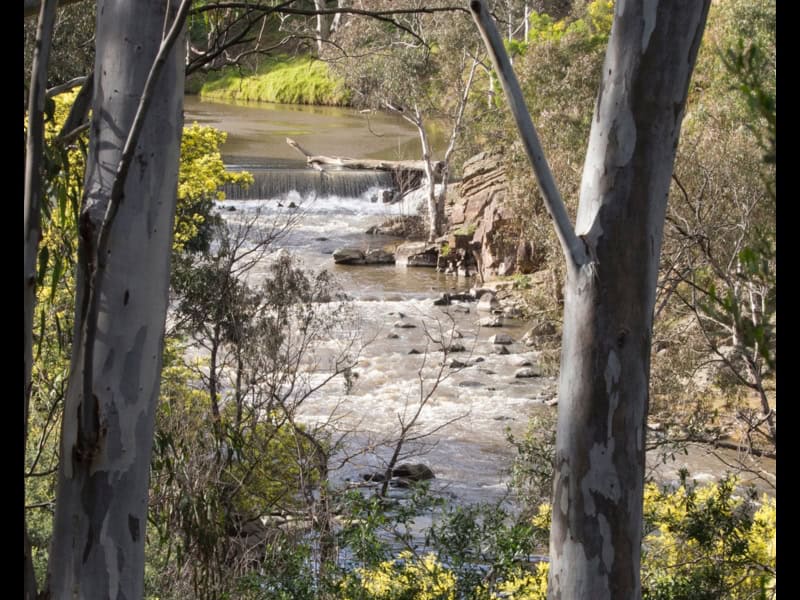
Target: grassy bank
x=283 y=79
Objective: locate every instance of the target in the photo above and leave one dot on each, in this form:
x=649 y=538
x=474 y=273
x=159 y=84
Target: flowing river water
x=466 y=421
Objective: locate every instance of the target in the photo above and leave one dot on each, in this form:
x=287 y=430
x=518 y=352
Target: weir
x=277 y=183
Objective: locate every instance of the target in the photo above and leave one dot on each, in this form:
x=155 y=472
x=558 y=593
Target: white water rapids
x=472 y=407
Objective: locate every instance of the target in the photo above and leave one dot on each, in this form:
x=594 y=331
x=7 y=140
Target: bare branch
x=573 y=248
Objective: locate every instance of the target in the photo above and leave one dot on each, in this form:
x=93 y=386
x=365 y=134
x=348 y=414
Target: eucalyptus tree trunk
x=323 y=24
x=612 y=258
x=434 y=216
x=97 y=548
x=32 y=202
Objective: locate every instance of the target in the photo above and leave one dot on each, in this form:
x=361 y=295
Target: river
x=473 y=408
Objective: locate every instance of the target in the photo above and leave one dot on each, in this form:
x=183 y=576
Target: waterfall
x=278 y=183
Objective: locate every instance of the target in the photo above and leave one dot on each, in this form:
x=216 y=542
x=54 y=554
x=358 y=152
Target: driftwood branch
x=573 y=248
x=320 y=162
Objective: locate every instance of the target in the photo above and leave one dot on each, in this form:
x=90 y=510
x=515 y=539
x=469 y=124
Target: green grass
x=282 y=79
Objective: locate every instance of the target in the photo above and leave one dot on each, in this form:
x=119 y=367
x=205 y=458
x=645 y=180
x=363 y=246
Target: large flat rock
x=416 y=254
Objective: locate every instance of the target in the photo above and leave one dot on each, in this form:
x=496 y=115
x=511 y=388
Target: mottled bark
x=126 y=219
x=605 y=363
x=595 y=539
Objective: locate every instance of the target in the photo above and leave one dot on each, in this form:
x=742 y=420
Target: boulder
x=500 y=350
x=378 y=256
x=392 y=336
x=408 y=226
x=456 y=364
x=526 y=372
x=349 y=256
x=488 y=303
x=491 y=322
x=413 y=472
x=403 y=325
x=502 y=339
x=443 y=300
x=416 y=254
x=540 y=333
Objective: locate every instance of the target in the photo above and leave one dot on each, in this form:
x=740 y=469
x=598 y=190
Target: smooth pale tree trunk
x=434 y=216
x=323 y=24
x=97 y=548
x=430 y=167
x=32 y=202
x=595 y=539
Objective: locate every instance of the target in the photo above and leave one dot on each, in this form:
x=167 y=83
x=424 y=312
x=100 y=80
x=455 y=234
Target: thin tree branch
x=66 y=86
x=573 y=248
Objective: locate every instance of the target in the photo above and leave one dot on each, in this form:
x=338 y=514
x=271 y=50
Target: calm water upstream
x=474 y=406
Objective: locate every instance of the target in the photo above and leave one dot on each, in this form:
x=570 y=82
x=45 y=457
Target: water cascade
x=279 y=183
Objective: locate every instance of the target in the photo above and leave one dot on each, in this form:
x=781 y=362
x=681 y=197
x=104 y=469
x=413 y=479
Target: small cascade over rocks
x=345 y=183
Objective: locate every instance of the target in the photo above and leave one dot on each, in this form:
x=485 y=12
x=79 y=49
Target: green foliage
x=201 y=176
x=718 y=257
x=466 y=229
x=282 y=79
x=707 y=543
x=595 y=25
x=704 y=543
x=72 y=44
x=532 y=469
x=406 y=578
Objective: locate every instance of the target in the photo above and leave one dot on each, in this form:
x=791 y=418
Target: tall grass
x=282 y=79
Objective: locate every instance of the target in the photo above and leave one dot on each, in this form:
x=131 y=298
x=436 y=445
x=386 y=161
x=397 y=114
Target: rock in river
x=413 y=472
x=349 y=256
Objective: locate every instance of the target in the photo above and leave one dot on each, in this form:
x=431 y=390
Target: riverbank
x=281 y=79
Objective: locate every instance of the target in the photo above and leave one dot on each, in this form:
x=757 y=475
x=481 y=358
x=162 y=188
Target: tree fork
x=612 y=265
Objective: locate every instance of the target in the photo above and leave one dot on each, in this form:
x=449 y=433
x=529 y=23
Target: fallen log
x=320 y=161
